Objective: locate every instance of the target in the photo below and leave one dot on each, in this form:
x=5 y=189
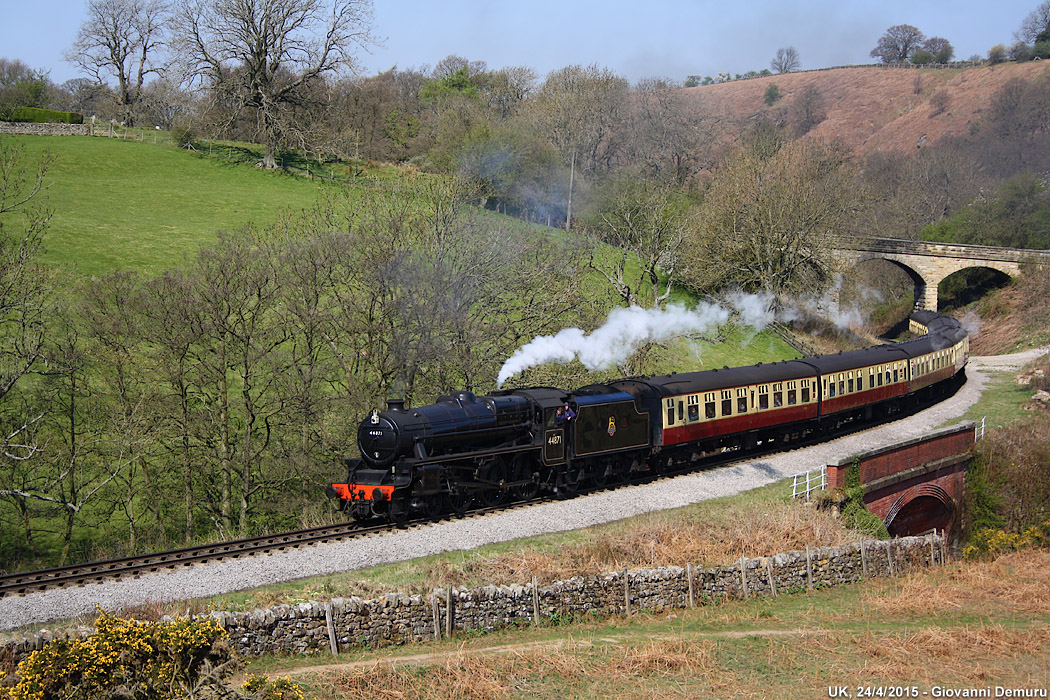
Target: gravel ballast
x=203 y=580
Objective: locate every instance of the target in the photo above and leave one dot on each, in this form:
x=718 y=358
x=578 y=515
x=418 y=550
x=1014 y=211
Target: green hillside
x=136 y=206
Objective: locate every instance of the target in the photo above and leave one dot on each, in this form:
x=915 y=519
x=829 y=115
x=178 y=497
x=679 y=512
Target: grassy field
x=126 y=205
x=1001 y=403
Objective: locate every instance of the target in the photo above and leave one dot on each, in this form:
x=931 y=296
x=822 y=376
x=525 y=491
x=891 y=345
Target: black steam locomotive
x=511 y=445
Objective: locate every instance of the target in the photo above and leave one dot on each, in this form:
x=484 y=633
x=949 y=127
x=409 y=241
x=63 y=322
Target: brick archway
x=921 y=508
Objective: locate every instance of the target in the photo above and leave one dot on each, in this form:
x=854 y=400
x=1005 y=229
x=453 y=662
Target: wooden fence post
x=626 y=594
x=449 y=613
x=330 y=621
x=743 y=577
x=692 y=594
x=436 y=609
x=535 y=603
x=809 y=569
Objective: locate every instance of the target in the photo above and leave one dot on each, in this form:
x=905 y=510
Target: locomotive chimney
x=395 y=405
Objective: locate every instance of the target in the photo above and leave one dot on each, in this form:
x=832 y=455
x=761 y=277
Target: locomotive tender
x=513 y=444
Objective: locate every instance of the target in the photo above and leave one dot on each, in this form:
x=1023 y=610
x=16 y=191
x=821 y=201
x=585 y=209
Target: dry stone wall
x=46 y=129
x=345 y=623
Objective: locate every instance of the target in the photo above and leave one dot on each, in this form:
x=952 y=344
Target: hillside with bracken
x=872 y=109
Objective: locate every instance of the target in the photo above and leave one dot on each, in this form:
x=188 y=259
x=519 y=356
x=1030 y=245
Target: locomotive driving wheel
x=495 y=472
x=432 y=506
x=458 y=502
x=523 y=472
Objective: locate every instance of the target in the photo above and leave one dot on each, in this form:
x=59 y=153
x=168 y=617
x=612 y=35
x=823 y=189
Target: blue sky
x=670 y=38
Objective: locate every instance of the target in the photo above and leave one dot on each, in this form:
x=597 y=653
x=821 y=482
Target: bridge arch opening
x=920 y=510
x=883 y=292
x=968 y=285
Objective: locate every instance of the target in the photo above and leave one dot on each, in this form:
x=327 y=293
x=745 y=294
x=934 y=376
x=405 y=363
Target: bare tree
x=765 y=224
x=121 y=38
x=26 y=306
x=898 y=43
x=786 y=60
x=645 y=225
x=21 y=86
x=807 y=110
x=1037 y=22
x=263 y=56
x=671 y=132
x=576 y=110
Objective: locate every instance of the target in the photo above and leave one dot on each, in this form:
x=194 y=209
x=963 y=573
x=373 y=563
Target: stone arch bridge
x=929 y=263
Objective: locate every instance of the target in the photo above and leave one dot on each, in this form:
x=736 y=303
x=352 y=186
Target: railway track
x=92 y=572
x=95 y=572
x=25 y=582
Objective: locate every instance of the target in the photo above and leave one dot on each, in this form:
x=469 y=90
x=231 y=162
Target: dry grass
x=1016 y=582
x=751 y=530
x=654 y=669
x=664 y=658
x=933 y=655
x=872 y=109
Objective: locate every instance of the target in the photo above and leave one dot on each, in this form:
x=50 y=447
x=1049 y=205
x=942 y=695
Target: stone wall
x=49 y=129
x=346 y=623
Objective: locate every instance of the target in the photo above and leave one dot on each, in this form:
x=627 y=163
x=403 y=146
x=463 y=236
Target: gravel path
x=215 y=578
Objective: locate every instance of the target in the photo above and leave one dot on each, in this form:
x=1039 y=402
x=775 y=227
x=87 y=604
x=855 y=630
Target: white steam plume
x=617 y=339
x=755 y=310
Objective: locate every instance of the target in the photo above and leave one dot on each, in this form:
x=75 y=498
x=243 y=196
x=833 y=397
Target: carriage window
x=879 y=375
x=842 y=387
x=727 y=407
x=709 y=409
x=896 y=375
x=763 y=401
x=741 y=404
x=681 y=411
x=851 y=385
x=792 y=397
x=805 y=394
x=888 y=380
x=694 y=413
x=831 y=392
x=860 y=383
x=778 y=399
x=670 y=415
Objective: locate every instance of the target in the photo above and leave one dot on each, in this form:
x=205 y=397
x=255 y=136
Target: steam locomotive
x=512 y=445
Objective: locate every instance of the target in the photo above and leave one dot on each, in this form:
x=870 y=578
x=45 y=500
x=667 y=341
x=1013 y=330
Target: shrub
x=1015 y=461
x=128 y=658
x=1020 y=52
x=921 y=57
x=997 y=54
x=45 y=116
x=772 y=94
x=184 y=137
x=262 y=688
x=939 y=102
x=991 y=542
